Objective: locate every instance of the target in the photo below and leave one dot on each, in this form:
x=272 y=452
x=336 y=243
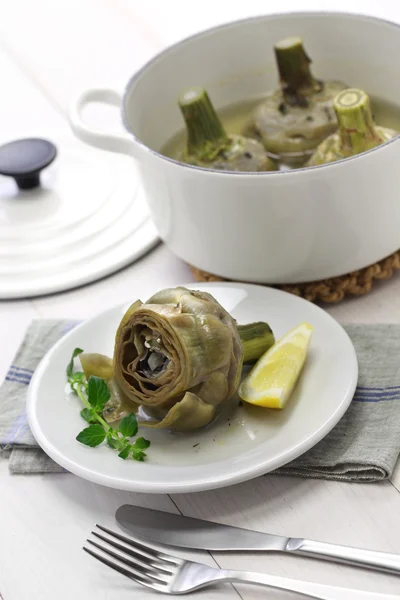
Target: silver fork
x=168 y=574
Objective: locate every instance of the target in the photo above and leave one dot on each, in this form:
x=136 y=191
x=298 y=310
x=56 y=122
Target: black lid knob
x=24 y=159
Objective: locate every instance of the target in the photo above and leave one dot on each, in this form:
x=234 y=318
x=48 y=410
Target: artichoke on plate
x=293 y=120
x=208 y=144
x=357 y=130
x=180 y=356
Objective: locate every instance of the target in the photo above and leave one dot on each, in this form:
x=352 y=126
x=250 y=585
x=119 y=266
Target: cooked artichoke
x=294 y=119
x=357 y=130
x=180 y=355
x=208 y=145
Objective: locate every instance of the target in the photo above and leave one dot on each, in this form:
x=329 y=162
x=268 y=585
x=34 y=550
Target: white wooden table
x=50 y=49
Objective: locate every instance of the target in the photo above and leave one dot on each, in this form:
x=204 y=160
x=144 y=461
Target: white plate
x=252 y=442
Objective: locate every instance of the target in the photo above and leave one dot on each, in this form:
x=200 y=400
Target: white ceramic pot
x=275 y=227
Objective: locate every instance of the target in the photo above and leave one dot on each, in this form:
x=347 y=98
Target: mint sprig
x=94 y=395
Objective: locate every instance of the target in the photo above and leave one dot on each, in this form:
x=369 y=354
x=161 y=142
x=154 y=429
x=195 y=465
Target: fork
x=168 y=574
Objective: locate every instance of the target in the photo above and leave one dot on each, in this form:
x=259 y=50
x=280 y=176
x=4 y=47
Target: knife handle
x=381 y=561
x=306 y=589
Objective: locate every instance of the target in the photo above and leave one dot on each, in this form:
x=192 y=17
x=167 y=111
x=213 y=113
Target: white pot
x=275 y=227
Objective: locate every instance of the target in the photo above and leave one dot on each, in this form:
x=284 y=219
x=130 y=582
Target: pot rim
x=237 y=22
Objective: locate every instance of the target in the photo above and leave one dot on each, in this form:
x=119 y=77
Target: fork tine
x=109 y=563
x=138 y=570
x=139 y=558
x=151 y=552
x=120 y=569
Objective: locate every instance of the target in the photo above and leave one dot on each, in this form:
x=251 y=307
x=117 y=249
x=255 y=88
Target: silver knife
x=196 y=534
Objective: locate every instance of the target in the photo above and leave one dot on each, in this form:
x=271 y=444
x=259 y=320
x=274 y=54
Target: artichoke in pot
x=357 y=131
x=208 y=144
x=180 y=356
x=293 y=120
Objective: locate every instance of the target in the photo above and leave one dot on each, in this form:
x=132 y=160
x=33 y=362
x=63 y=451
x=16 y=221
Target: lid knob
x=24 y=159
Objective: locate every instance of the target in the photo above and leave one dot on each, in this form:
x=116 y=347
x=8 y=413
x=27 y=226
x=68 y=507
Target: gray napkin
x=16 y=440
x=363 y=447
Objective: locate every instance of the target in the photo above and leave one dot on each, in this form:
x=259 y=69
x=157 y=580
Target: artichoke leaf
x=125 y=319
x=96 y=364
x=213 y=388
x=188 y=414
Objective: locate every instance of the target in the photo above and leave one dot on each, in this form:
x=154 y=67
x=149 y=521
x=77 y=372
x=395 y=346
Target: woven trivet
x=331 y=290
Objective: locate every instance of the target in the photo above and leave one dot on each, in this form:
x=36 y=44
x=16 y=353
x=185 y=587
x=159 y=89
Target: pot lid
x=68 y=216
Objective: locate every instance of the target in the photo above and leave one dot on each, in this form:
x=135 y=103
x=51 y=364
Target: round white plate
x=247 y=443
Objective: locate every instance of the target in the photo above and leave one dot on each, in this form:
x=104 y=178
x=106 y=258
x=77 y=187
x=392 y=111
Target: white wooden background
x=49 y=49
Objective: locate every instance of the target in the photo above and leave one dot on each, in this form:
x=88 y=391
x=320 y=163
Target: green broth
x=235 y=117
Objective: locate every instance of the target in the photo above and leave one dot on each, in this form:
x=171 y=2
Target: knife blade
x=196 y=534
x=186 y=532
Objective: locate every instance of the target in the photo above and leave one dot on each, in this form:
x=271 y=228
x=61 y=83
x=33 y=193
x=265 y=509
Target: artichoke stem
x=356 y=127
x=204 y=127
x=256 y=339
x=295 y=75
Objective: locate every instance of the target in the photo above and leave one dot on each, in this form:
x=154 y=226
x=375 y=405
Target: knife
x=196 y=534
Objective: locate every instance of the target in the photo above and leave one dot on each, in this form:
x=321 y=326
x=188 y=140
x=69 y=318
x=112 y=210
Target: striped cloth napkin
x=363 y=447
x=16 y=440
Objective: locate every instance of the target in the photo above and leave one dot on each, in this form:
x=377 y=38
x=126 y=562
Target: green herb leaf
x=141 y=444
x=92 y=435
x=138 y=455
x=94 y=395
x=89 y=415
x=138 y=447
x=128 y=426
x=70 y=366
x=98 y=393
x=125 y=452
x=113 y=441
x=78 y=376
x=77 y=379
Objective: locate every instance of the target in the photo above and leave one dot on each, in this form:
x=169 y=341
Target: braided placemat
x=331 y=290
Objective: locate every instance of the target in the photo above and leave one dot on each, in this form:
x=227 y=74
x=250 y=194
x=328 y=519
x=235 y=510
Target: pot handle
x=115 y=142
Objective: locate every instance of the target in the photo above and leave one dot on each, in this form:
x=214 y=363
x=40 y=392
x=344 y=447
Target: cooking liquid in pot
x=235 y=117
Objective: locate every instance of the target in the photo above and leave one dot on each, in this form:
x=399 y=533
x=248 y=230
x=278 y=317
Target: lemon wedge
x=274 y=376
